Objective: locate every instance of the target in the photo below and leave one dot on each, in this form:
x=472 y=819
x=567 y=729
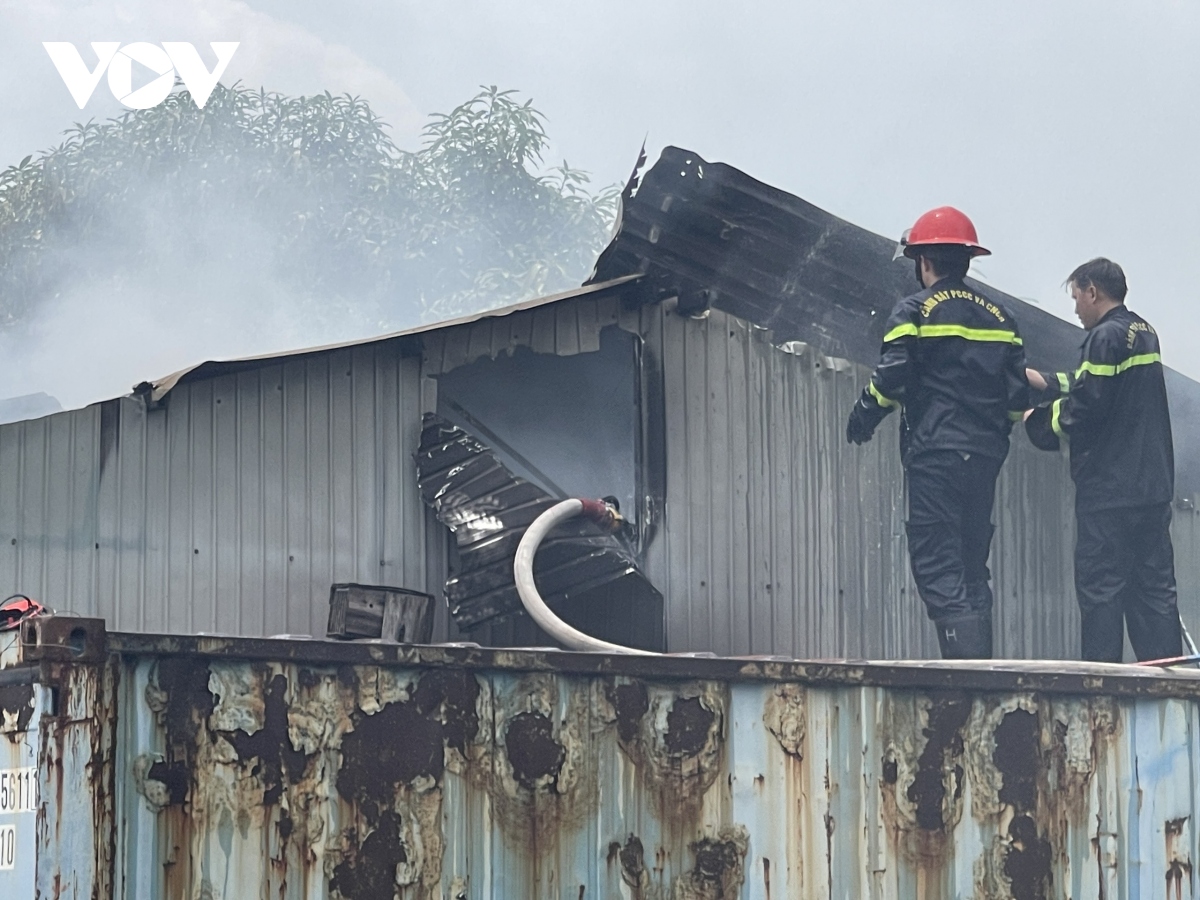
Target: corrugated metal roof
x=160 y=388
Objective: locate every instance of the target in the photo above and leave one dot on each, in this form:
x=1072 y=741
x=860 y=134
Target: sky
x=1066 y=130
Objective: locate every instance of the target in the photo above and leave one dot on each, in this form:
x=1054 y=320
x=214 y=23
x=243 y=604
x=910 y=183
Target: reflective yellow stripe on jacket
x=879 y=397
x=988 y=335
x=1055 y=425
x=1143 y=359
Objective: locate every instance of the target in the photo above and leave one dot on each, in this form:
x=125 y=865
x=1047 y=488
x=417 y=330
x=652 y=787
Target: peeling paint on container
x=176 y=767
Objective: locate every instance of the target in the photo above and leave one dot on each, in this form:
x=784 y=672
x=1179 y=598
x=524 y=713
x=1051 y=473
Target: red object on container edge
x=16 y=609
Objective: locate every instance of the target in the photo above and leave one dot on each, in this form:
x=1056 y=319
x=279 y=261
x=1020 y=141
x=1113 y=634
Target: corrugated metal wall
x=780 y=538
x=233 y=508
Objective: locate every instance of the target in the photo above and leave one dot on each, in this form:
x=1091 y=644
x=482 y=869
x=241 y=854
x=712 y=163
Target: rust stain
x=1017 y=757
x=1078 y=734
x=383 y=739
x=688 y=725
x=948 y=713
x=766 y=878
x=270 y=746
x=76 y=761
x=539 y=767
x=784 y=717
x=631 y=702
x=676 y=747
x=179 y=697
x=535 y=755
x=719 y=867
x=922 y=773
x=1179 y=857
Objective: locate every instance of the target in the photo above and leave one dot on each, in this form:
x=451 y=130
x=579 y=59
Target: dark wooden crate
x=377 y=611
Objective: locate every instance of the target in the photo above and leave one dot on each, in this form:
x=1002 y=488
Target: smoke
x=165 y=283
x=266 y=222
x=167 y=287
x=164 y=268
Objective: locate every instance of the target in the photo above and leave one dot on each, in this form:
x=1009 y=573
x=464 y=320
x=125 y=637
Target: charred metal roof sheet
x=718 y=237
x=488 y=509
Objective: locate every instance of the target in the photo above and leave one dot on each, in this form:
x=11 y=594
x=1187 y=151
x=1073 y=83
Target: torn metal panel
x=488 y=509
x=721 y=239
x=568 y=424
x=568 y=327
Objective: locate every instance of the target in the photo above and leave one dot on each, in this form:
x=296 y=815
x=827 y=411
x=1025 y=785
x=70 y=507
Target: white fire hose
x=607 y=518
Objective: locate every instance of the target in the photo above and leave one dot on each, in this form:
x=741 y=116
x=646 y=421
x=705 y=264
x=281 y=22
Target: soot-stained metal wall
x=237 y=768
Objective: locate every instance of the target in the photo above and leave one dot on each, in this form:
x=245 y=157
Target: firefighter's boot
x=965 y=636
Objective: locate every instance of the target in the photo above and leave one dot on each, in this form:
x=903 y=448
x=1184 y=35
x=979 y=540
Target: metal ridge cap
x=1054 y=676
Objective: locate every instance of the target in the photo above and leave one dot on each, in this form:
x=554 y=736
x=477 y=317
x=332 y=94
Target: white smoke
x=204 y=293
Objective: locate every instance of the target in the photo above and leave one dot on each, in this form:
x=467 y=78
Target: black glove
x=861 y=424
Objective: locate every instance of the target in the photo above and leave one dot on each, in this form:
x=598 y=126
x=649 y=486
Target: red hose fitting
x=602 y=515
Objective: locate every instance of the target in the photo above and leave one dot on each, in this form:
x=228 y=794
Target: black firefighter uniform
x=1112 y=412
x=954 y=363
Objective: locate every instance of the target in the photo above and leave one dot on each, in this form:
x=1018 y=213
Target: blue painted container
x=207 y=767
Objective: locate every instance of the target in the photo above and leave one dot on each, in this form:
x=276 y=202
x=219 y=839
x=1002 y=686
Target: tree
x=310 y=193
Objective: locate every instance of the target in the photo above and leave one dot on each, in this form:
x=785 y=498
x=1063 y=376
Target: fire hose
x=608 y=519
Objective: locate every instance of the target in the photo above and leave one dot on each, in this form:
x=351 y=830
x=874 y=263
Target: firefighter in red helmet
x=954 y=366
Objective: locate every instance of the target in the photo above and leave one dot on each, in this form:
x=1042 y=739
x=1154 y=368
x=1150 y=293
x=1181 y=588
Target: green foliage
x=311 y=193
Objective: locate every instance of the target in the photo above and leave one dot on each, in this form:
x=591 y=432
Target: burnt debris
x=488 y=509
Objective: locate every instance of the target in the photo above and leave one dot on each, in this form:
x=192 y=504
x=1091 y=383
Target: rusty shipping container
x=144 y=767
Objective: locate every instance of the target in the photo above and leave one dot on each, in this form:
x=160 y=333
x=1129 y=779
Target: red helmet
x=944 y=225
